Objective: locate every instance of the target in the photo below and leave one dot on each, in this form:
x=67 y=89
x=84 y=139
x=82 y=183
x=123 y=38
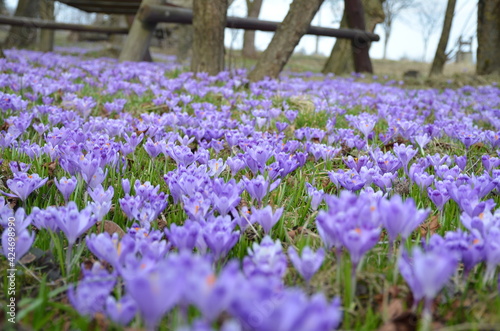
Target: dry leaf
x=5 y=126
x=430 y=226
x=406 y=321
x=100 y=322
x=161 y=224
x=110 y=227
x=395 y=308
x=51 y=167
x=28 y=258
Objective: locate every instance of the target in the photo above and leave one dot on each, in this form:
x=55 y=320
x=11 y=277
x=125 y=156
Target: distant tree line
x=210 y=17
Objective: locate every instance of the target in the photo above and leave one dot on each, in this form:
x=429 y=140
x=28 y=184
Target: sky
x=405 y=42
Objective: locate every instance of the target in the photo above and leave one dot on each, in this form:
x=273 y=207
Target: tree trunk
x=286 y=37
x=209 y=21
x=360 y=46
x=488 y=37
x=253 y=8
x=341 y=60
x=47 y=36
x=440 y=57
x=3 y=9
x=387 y=35
x=23 y=36
x=136 y=47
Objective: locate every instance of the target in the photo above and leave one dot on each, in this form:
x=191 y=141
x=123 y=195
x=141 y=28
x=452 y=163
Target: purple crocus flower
x=260 y=154
x=122 y=311
x=492 y=252
x=235 y=164
x=110 y=248
x=17 y=242
x=308 y=263
x=197 y=207
x=258 y=187
x=384 y=181
x=365 y=123
x=407 y=270
x=439 y=196
x=154 y=148
x=182 y=155
x=72 y=222
x=404 y=154
x=423 y=140
x=19 y=218
x=266 y=259
x=126 y=186
x=214 y=294
x=490 y=162
x=99 y=195
x=183 y=237
x=436 y=160
x=156 y=289
x=400 y=217
x=388 y=162
x=281 y=126
x=428 y=272
x=358 y=241
x=17 y=167
x=461 y=161
x=91 y=293
x=219 y=235
x=469 y=246
x=422 y=179
x=226 y=196
x=349 y=180
x=265 y=217
x=96 y=179
x=133 y=140
x=244 y=220
x=22 y=185
x=357 y=163
x=66 y=186
x=316 y=196
x=216 y=167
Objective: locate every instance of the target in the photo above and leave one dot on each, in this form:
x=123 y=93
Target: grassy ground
x=382 y=299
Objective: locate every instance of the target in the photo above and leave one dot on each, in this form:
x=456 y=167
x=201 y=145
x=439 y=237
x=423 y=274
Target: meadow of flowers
x=147 y=197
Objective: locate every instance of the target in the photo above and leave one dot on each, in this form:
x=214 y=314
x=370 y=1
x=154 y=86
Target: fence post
x=138 y=39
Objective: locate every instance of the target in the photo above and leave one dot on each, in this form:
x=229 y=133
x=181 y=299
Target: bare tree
x=392 y=9
x=360 y=46
x=429 y=18
x=47 y=36
x=488 y=37
x=341 y=59
x=209 y=21
x=253 y=11
x=3 y=9
x=23 y=36
x=285 y=39
x=441 y=56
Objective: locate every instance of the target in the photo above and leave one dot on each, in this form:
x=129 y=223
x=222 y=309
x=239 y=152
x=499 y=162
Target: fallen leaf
x=406 y=321
x=51 y=167
x=100 y=322
x=4 y=126
x=161 y=224
x=28 y=258
x=395 y=308
x=110 y=227
x=430 y=226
